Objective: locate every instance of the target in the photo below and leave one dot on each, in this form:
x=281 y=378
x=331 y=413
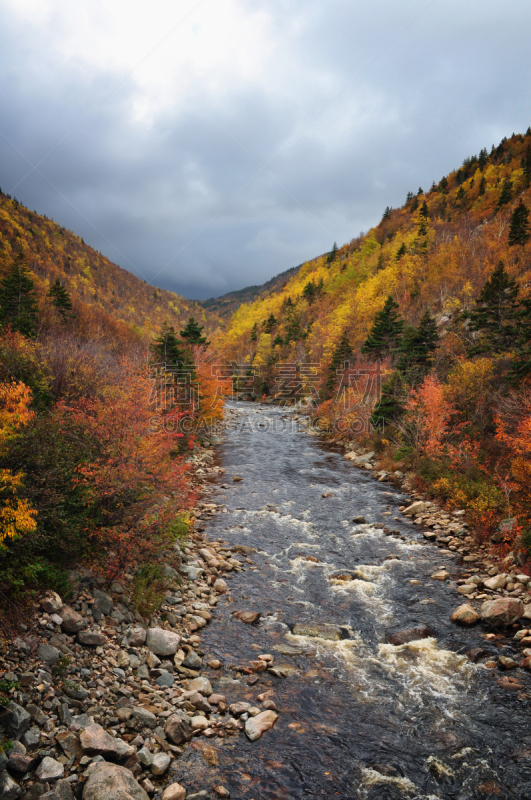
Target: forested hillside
x=437 y=297
x=228 y=303
x=54 y=253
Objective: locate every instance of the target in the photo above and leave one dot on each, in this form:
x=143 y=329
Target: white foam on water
x=370 y=777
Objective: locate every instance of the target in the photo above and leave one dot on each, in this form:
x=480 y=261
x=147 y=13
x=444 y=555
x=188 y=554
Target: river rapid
x=358 y=717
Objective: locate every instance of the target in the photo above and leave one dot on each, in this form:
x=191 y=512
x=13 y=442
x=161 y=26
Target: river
x=358 y=717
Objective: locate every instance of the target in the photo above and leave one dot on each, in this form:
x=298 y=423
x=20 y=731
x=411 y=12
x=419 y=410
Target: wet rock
x=201 y=685
x=9 y=789
x=110 y=782
x=239 y=708
x=48 y=653
x=162 y=642
x=465 y=615
x=15 y=720
x=418 y=507
x=509 y=683
x=221 y=791
x=177 y=729
x=255 y=727
x=49 y=769
x=96 y=741
x=91 y=638
x=136 y=637
x=441 y=575
x=466 y=588
x=502 y=611
x=283 y=671
x=161 y=762
x=249 y=617
x=174 y=792
x=319 y=631
x=72 y=621
x=51 y=603
x=507 y=663
x=220 y=586
x=476 y=654
x=409 y=635
x=359 y=520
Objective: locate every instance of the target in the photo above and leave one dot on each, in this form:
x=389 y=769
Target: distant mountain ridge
x=227 y=304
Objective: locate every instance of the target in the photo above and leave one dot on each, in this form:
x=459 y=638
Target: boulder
x=104 y=603
x=174 y=792
x=72 y=621
x=49 y=769
x=162 y=642
x=220 y=586
x=15 y=720
x=256 y=726
x=61 y=791
x=201 y=685
x=502 y=611
x=48 y=653
x=141 y=717
x=465 y=615
x=177 y=729
x=21 y=763
x=51 y=603
x=91 y=638
x=111 y=782
x=418 y=507
x=95 y=741
x=409 y=635
x=9 y=789
x=496 y=582
x=136 y=637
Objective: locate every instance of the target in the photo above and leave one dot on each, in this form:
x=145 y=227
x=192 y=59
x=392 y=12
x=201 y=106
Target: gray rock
x=166 y=679
x=161 y=762
x=31 y=739
x=141 y=717
x=256 y=726
x=9 y=789
x=201 y=685
x=48 y=654
x=162 y=642
x=135 y=637
x=192 y=661
x=72 y=620
x=49 y=769
x=145 y=757
x=111 y=782
x=95 y=741
x=21 y=763
x=104 y=602
x=359 y=520
x=61 y=791
x=51 y=603
x=15 y=720
x=177 y=729
x=91 y=638
x=192 y=573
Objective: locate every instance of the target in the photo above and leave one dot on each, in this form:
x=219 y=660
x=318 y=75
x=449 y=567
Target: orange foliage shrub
x=428 y=417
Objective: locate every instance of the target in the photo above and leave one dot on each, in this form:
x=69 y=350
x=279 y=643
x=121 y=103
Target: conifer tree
x=519 y=227
x=61 y=299
x=166 y=348
x=270 y=323
x=18 y=303
x=254 y=333
x=417 y=348
x=192 y=333
x=386 y=214
x=482 y=185
x=390 y=406
x=521 y=367
x=401 y=251
x=332 y=254
x=309 y=291
x=386 y=332
x=495 y=313
x=278 y=341
x=342 y=353
x=506 y=193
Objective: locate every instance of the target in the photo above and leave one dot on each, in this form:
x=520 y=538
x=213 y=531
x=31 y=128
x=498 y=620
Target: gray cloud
x=223 y=160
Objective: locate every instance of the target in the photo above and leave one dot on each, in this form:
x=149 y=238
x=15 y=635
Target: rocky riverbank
x=99 y=701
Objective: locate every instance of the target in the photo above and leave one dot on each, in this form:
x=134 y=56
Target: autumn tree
x=18 y=302
x=493 y=317
x=386 y=332
x=390 y=405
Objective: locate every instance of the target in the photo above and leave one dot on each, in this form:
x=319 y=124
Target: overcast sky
x=206 y=145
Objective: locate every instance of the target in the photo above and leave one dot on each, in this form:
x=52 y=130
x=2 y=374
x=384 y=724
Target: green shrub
x=149 y=588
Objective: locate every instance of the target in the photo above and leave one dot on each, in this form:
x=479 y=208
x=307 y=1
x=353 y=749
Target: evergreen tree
x=332 y=254
x=386 y=214
x=423 y=219
x=18 y=303
x=390 y=406
x=61 y=299
x=521 y=367
x=192 y=333
x=254 y=333
x=483 y=158
x=526 y=165
x=270 y=323
x=343 y=352
x=495 y=314
x=414 y=205
x=309 y=291
x=278 y=340
x=519 y=227
x=167 y=349
x=386 y=332
x=401 y=251
x=443 y=185
x=417 y=348
x=506 y=193
x=482 y=185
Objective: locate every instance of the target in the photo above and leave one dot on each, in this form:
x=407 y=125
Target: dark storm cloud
x=236 y=172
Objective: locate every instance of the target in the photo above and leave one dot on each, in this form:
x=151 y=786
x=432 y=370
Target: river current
x=359 y=718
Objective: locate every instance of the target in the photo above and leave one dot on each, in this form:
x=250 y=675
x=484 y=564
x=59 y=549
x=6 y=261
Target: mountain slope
x=52 y=252
x=227 y=304
x=441 y=268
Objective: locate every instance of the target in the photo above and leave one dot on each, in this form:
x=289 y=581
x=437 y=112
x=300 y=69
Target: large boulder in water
x=409 y=635
x=502 y=611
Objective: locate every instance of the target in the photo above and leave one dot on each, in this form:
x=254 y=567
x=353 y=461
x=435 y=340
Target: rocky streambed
x=305 y=648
